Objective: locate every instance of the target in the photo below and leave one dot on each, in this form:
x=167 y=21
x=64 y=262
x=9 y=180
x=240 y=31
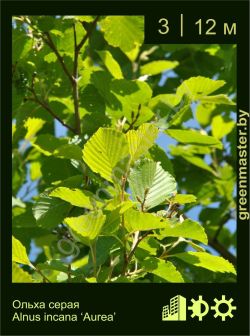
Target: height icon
x=176 y=311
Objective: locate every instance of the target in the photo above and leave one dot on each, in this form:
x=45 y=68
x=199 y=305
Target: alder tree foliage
x=123 y=154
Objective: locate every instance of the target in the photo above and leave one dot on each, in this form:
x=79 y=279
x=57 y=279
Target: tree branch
x=45 y=279
x=221 y=224
x=223 y=252
x=77 y=49
x=89 y=32
x=214 y=243
x=134 y=119
x=52 y=46
x=136 y=242
x=47 y=107
x=69 y=273
x=75 y=85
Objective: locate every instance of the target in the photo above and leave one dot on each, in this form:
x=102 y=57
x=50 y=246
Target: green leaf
x=66 y=45
x=156 y=153
x=187 y=153
x=198 y=87
x=50 y=57
x=194 y=137
x=110 y=63
x=51 y=172
x=204 y=113
x=19 y=275
x=67 y=102
x=19 y=253
x=131 y=94
x=206 y=260
x=79 y=18
x=183 y=198
x=21 y=45
x=163 y=269
x=56 y=265
x=140 y=221
x=148 y=245
x=124 y=32
x=112 y=222
x=217 y=99
x=198 y=162
x=47 y=143
x=49 y=211
x=141 y=140
x=107 y=153
x=164 y=106
x=187 y=229
x=59 y=147
x=87 y=227
x=150 y=184
x=183 y=114
x=69 y=151
x=24 y=219
x=45 y=23
x=157 y=67
x=76 y=197
x=221 y=127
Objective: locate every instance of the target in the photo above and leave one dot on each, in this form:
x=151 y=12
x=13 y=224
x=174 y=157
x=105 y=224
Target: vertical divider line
x=182 y=32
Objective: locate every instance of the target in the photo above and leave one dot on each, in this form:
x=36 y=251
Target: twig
x=134 y=120
x=136 y=242
x=52 y=46
x=75 y=85
x=216 y=245
x=69 y=273
x=46 y=106
x=45 y=279
x=77 y=49
x=89 y=32
x=177 y=242
x=221 y=224
x=223 y=252
x=125 y=257
x=93 y=254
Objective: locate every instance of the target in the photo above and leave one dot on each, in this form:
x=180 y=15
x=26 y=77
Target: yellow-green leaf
x=110 y=63
x=187 y=229
x=76 y=197
x=124 y=32
x=141 y=140
x=19 y=253
x=163 y=269
x=107 y=153
x=157 y=67
x=35 y=170
x=198 y=87
x=87 y=227
x=206 y=260
x=217 y=100
x=150 y=184
x=183 y=198
x=33 y=125
x=221 y=127
x=19 y=275
x=194 y=137
x=140 y=221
